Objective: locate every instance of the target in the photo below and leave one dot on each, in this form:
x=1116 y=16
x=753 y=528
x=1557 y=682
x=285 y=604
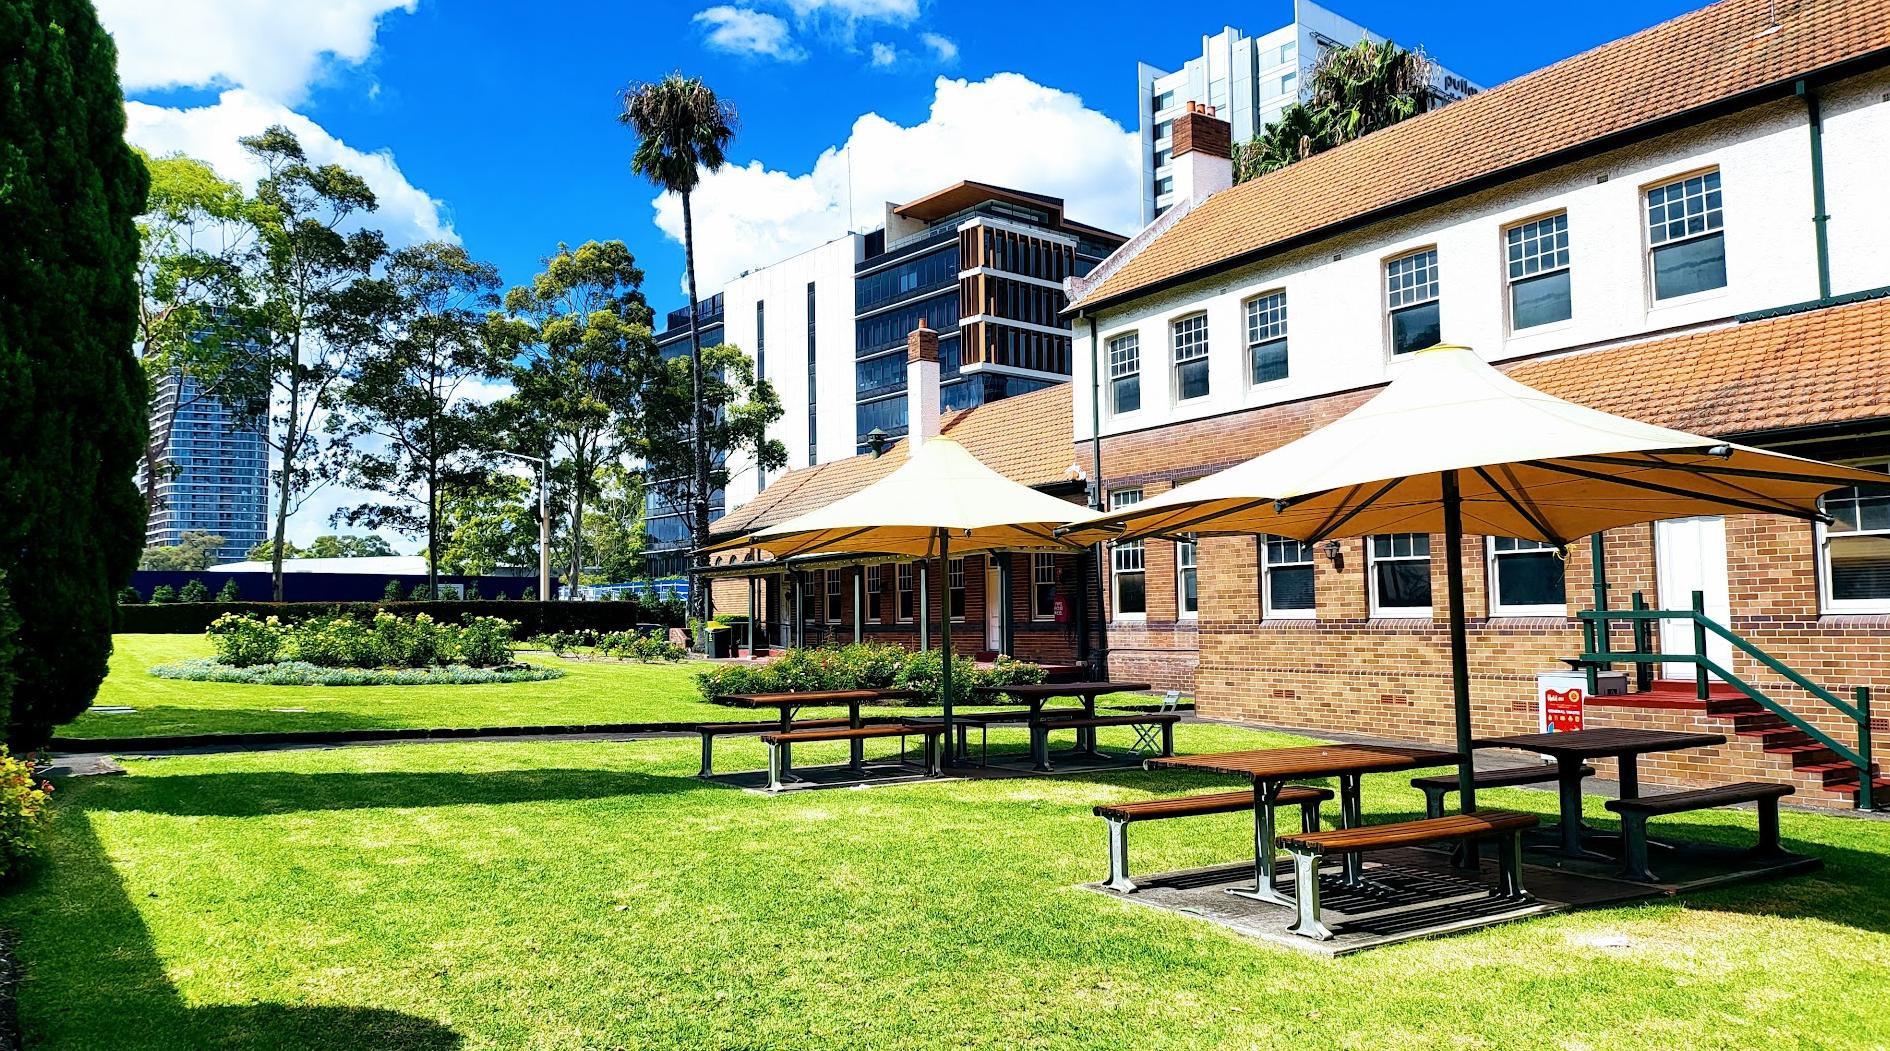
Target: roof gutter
x=1771 y=92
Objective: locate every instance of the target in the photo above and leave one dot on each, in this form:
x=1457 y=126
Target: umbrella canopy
x=1454 y=443
x=1527 y=465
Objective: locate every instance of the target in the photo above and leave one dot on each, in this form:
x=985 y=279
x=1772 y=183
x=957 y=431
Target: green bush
x=391 y=593
x=864 y=666
x=229 y=592
x=340 y=641
x=163 y=593
x=129 y=596
x=194 y=591
x=25 y=818
x=242 y=641
x=635 y=645
x=533 y=618
x=301 y=673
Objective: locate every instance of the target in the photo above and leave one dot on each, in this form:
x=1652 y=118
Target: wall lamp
x=1334 y=553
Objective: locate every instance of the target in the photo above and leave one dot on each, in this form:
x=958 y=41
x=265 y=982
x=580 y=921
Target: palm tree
x=1351 y=92
x=683 y=129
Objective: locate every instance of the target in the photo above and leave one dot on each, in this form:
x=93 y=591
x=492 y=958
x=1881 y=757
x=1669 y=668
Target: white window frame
x=1263 y=333
x=1184 y=567
x=906 y=583
x=1268 y=610
x=1558 y=262
x=1826 y=602
x=955 y=587
x=1395 y=299
x=1493 y=563
x=875 y=594
x=1043 y=570
x=1649 y=245
x=832 y=598
x=1196 y=351
x=1372 y=560
x=1135 y=551
x=1125 y=362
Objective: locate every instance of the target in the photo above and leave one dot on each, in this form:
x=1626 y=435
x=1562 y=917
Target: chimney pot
x=922 y=394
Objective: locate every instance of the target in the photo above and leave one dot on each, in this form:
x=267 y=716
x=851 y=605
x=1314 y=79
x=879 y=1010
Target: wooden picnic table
x=788 y=705
x=1036 y=694
x=1271 y=768
x=1571 y=748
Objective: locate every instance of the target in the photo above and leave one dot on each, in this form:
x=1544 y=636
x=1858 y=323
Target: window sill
x=1530 y=613
x=1538 y=331
x=1402 y=614
x=1129 y=618
x=1291 y=615
x=1656 y=305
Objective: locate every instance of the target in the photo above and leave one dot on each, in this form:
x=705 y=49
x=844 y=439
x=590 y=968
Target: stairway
x=1808 y=759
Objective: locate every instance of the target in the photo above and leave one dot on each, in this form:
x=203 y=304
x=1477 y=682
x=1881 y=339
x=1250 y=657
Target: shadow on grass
x=257 y=794
x=167 y=720
x=94 y=979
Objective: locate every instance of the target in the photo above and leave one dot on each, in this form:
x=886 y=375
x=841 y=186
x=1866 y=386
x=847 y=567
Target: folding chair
x=1149 y=738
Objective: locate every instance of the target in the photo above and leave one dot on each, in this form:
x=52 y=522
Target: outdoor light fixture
x=1335 y=554
x=876 y=441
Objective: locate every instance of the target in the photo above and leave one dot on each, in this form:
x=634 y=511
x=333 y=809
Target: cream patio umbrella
x=941 y=501
x=1453 y=443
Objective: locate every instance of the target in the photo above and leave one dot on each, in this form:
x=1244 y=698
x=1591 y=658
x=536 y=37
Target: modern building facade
x=666 y=522
x=215 y=478
x=1696 y=249
x=1247 y=80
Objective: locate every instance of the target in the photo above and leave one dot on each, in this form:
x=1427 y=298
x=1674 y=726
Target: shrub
x=391 y=593
x=862 y=666
x=129 y=596
x=194 y=591
x=229 y=592
x=301 y=673
x=242 y=641
x=341 y=641
x=163 y=593
x=421 y=593
x=485 y=642
x=25 y=817
x=533 y=618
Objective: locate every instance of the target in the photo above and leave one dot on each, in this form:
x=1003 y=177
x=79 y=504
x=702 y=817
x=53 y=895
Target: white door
x=1689 y=556
x=993 y=606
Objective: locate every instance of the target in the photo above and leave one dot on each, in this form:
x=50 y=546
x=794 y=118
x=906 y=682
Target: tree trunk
x=282 y=477
x=577 y=538
x=433 y=531
x=699 y=518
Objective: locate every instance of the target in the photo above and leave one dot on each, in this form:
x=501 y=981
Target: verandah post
x=1699 y=645
x=1865 y=790
x=1643 y=643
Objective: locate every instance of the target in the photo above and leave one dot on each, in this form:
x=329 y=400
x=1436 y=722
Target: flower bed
x=865 y=666
x=621 y=645
x=302 y=673
x=343 y=651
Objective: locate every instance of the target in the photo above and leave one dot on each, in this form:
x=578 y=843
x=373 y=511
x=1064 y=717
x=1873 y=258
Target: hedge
x=533 y=618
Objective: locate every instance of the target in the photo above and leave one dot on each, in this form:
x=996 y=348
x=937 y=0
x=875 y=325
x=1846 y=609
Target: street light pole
x=544 y=527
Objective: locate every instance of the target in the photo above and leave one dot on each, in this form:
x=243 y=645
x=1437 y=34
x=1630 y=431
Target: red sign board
x=1562 y=709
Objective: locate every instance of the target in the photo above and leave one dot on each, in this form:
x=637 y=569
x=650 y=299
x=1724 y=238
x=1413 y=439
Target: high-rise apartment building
x=665 y=520
x=1248 y=80
x=215 y=477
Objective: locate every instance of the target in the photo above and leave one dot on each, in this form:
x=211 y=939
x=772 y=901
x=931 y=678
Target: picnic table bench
x=1635 y=812
x=1436 y=786
x=779 y=741
x=788 y=707
x=1119 y=816
x=1035 y=695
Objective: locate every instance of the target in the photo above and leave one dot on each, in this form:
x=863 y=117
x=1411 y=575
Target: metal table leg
x=784 y=750
x=1569 y=780
x=1265 y=795
x=858 y=746
x=1351 y=815
x=1629 y=775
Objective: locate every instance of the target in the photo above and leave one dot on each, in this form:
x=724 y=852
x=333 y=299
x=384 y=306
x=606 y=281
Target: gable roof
x=1026 y=438
x=1728 y=54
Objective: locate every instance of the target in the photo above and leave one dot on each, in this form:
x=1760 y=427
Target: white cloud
x=884 y=56
x=857 y=10
x=1005 y=130
x=942 y=47
x=745 y=31
x=273 y=48
x=407 y=213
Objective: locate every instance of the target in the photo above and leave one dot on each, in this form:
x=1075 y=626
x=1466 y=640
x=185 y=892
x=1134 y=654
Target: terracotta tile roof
x=1707 y=56
x=1820 y=366
x=1027 y=438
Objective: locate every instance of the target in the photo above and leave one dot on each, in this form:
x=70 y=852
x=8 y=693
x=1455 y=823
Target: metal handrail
x=1597 y=652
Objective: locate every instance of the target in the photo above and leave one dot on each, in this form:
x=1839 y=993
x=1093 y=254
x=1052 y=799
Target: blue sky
x=494 y=123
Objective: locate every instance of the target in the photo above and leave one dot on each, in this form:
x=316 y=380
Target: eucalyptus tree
x=682 y=130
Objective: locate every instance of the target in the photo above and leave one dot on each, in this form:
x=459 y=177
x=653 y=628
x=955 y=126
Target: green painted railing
x=1598 y=653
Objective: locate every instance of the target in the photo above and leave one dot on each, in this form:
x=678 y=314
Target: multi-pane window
x=1191 y=357
x=1164 y=186
x=1856 y=562
x=1538 y=272
x=1043 y=586
x=1187 y=595
x=1162 y=156
x=1286 y=577
x=1128 y=581
x=1125 y=373
x=907 y=604
x=1526 y=578
x=875 y=599
x=1411 y=301
x=1400 y=574
x=955 y=572
x=1162 y=101
x=835 y=603
x=1686 y=242
x=1266 y=337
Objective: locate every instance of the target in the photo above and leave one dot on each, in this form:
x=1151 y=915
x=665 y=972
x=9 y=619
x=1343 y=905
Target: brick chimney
x=922 y=397
x=1203 y=154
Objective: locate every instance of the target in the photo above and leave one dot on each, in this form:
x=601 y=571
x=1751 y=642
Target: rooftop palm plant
x=1351 y=92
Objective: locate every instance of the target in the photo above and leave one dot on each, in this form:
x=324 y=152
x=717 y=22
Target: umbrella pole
x=945 y=638
x=1459 y=642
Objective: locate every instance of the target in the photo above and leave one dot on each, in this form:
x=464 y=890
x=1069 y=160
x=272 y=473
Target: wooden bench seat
x=1307 y=848
x=1119 y=816
x=1040 y=730
x=777 y=741
x=1635 y=812
x=711 y=731
x=1436 y=786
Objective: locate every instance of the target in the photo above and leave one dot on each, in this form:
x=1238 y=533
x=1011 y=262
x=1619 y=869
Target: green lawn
x=594 y=895
x=590 y=692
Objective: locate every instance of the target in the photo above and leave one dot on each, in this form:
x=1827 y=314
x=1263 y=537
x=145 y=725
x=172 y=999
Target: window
x=1043 y=587
x=1856 y=562
x=1266 y=337
x=955 y=571
x=1286 y=577
x=875 y=604
x=1289 y=51
x=1164 y=186
x=1401 y=574
x=1526 y=578
x=1125 y=373
x=835 y=605
x=1686 y=244
x=1126 y=577
x=1162 y=101
x=1163 y=155
x=1164 y=131
x=1191 y=357
x=906 y=603
x=1187 y=597
x=813 y=386
x=1538 y=273
x=1289 y=83
x=1411 y=301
